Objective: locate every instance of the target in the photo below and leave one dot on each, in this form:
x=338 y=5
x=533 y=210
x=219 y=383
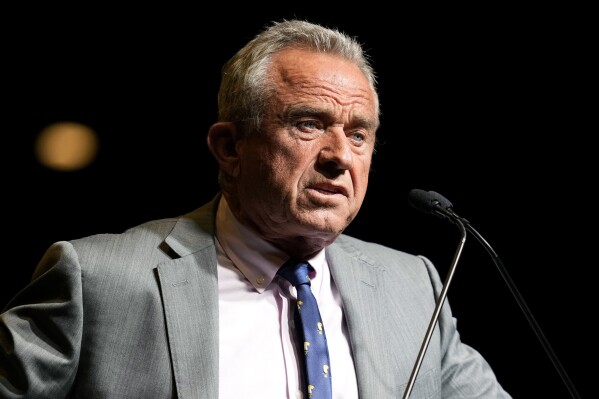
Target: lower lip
x=326 y=194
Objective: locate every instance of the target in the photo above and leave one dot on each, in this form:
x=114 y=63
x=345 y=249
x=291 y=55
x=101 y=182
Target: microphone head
x=428 y=201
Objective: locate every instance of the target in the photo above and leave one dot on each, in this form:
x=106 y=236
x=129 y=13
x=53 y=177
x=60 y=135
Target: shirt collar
x=255 y=257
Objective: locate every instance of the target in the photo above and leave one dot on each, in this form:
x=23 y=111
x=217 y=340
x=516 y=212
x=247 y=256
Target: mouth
x=330 y=189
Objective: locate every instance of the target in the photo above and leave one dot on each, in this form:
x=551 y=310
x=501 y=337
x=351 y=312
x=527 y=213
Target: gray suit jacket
x=135 y=315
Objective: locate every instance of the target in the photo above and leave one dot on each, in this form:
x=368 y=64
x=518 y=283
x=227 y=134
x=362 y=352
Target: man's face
x=304 y=176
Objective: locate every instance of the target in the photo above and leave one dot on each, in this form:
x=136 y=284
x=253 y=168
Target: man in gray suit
x=192 y=307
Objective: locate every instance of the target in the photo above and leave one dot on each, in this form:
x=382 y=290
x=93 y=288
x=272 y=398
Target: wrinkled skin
x=302 y=179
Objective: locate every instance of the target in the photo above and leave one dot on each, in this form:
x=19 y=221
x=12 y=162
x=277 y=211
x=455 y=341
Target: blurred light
x=66 y=146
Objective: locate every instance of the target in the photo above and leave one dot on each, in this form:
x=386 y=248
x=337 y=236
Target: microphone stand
x=431 y=326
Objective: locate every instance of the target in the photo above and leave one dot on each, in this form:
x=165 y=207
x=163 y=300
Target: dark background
x=491 y=107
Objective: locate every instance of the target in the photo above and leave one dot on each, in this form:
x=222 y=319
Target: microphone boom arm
x=522 y=303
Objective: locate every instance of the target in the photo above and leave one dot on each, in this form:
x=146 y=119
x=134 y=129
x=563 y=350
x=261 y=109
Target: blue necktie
x=310 y=331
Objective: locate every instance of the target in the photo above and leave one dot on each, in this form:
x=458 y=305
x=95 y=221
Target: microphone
x=434 y=203
x=430 y=202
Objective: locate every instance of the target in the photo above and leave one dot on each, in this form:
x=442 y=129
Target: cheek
x=285 y=173
x=288 y=163
x=362 y=171
x=361 y=188
x=360 y=178
x=268 y=172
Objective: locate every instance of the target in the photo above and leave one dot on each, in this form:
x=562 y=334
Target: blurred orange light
x=66 y=146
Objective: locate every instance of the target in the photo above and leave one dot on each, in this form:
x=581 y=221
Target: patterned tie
x=311 y=334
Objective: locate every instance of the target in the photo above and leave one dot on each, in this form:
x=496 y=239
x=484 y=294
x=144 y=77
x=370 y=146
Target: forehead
x=302 y=75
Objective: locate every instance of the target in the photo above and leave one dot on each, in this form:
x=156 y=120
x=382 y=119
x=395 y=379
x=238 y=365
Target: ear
x=222 y=139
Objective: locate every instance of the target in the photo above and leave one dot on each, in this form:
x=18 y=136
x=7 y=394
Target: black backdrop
x=489 y=107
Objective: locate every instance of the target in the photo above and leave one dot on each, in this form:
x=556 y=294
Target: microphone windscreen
x=427 y=201
x=444 y=202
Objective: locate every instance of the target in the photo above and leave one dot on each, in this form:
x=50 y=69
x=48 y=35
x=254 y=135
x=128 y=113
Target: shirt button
x=299 y=395
x=260 y=280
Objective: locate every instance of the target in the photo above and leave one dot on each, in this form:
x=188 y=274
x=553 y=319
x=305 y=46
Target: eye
x=309 y=126
x=357 y=136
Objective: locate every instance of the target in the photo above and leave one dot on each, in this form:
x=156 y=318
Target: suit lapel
x=360 y=282
x=190 y=296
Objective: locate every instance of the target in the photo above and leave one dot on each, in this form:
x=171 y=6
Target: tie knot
x=296 y=272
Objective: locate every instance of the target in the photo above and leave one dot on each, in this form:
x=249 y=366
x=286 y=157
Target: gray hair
x=245 y=85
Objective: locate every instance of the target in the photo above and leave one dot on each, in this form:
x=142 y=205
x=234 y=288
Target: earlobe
x=222 y=139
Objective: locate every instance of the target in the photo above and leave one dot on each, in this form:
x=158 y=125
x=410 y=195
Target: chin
x=325 y=224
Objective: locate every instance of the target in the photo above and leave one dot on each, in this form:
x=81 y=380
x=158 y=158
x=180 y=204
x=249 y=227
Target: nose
x=336 y=150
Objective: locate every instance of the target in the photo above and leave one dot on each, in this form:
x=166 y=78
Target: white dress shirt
x=256 y=339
